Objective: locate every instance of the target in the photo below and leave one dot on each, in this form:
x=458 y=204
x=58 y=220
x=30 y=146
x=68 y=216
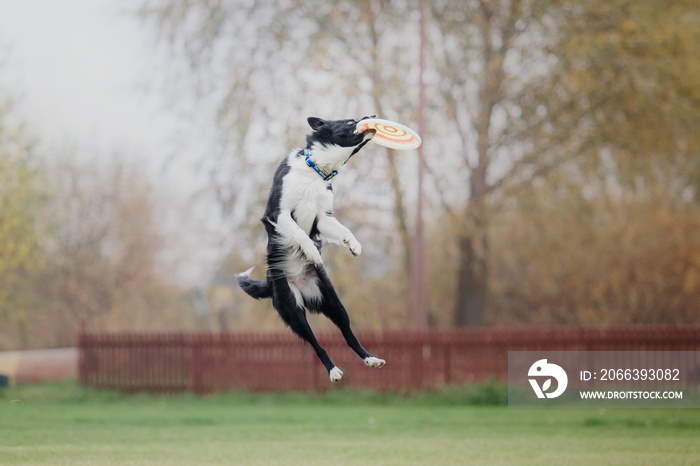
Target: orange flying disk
x=390 y=134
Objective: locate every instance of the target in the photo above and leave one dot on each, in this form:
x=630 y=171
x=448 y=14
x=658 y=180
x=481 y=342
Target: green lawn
x=61 y=424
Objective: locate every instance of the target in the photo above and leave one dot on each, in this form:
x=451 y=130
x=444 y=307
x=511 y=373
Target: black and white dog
x=298 y=220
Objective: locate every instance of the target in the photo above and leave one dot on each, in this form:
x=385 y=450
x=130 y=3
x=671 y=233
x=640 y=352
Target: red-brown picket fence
x=277 y=361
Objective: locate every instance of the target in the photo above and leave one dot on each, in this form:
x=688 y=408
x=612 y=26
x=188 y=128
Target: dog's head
x=336 y=141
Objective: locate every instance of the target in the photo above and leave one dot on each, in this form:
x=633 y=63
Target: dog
x=298 y=220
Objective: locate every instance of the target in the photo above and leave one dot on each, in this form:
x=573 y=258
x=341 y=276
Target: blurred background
x=138 y=141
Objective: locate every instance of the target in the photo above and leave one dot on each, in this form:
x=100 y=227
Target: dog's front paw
x=371 y=361
x=335 y=374
x=354 y=246
x=314 y=256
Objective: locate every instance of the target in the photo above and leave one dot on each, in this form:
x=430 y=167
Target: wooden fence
x=277 y=361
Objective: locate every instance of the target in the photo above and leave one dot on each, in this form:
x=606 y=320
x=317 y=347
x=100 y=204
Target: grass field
x=62 y=424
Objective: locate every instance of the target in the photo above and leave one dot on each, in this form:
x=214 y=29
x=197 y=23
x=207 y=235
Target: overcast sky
x=79 y=67
x=82 y=74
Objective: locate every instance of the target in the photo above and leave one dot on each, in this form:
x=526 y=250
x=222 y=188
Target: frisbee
x=390 y=134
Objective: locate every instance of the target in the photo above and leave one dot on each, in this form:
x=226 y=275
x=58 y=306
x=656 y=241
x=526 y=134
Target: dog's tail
x=255 y=288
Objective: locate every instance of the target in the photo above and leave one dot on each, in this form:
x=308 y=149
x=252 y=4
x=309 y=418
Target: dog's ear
x=316 y=123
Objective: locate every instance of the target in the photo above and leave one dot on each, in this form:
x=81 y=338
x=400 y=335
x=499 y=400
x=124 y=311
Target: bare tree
x=103 y=248
x=501 y=86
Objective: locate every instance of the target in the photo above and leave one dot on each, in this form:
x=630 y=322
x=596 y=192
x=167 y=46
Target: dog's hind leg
x=331 y=306
x=285 y=301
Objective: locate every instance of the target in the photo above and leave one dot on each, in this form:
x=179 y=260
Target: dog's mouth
x=366 y=131
x=371 y=131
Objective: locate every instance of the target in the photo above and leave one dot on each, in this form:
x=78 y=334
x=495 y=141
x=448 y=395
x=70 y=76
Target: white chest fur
x=305 y=194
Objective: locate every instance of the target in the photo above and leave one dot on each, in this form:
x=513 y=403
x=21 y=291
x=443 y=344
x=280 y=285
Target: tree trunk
x=472 y=272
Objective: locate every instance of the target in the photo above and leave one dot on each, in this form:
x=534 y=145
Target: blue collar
x=322 y=172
